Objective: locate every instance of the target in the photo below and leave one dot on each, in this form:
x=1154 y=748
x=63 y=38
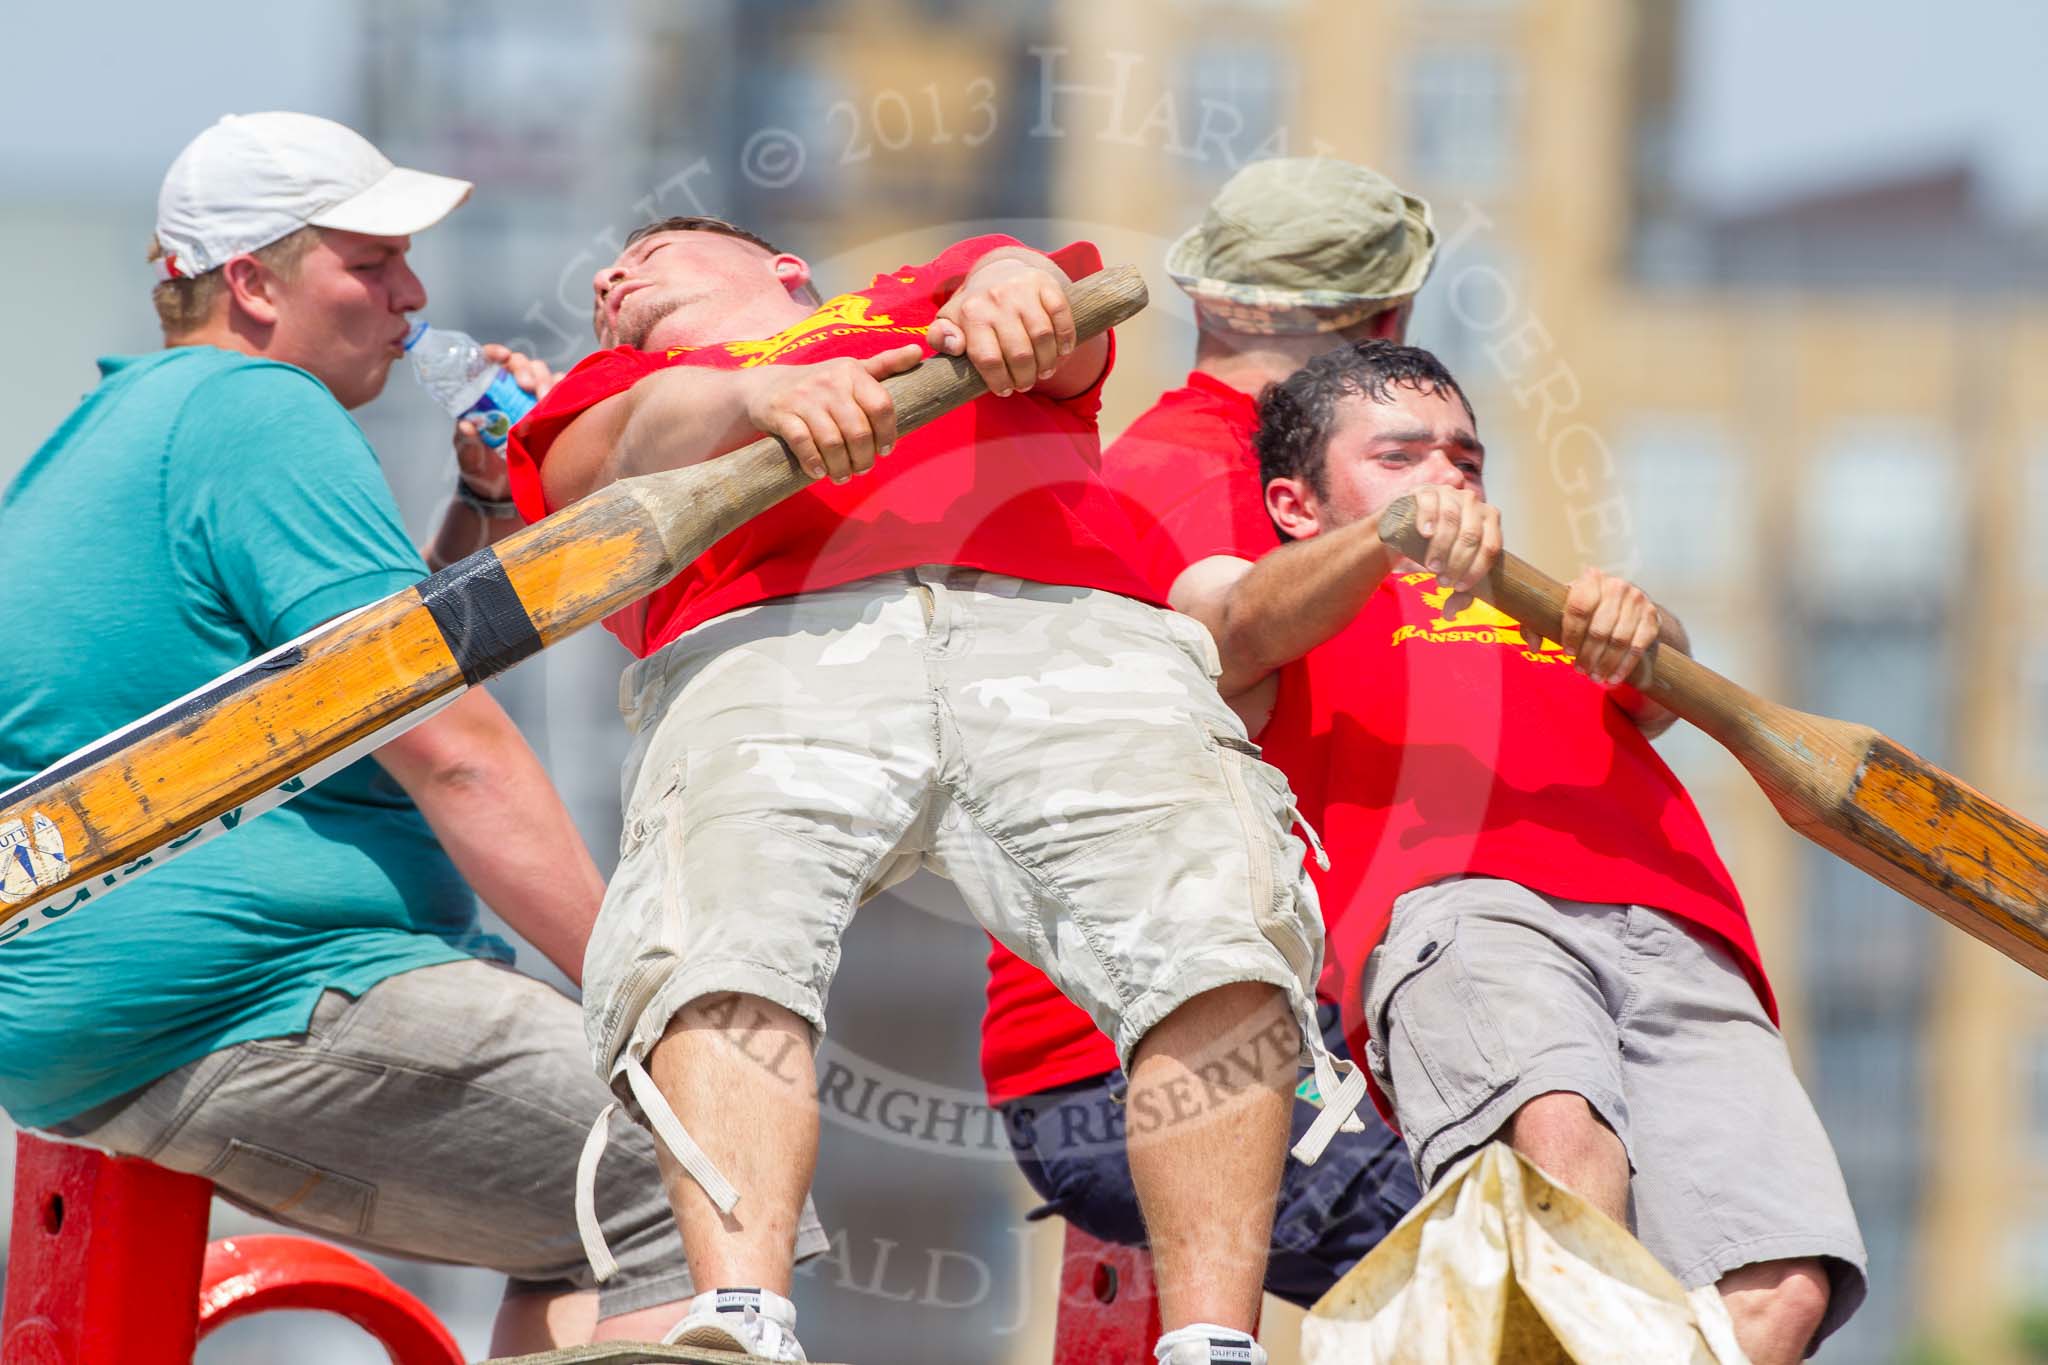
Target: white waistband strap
x=1322 y=859
x=1340 y=1105
x=588 y=1228
x=668 y=1130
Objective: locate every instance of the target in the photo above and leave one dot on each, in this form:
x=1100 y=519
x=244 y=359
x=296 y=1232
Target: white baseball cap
x=253 y=178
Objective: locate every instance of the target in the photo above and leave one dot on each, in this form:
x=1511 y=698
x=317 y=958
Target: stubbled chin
x=637 y=322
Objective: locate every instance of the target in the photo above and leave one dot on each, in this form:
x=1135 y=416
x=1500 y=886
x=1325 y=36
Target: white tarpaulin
x=1499 y=1264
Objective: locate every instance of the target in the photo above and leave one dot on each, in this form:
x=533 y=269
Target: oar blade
x=1946 y=845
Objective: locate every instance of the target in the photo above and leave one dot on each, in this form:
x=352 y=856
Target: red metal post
x=109 y=1265
x=104 y=1264
x=247 y=1275
x=1109 y=1304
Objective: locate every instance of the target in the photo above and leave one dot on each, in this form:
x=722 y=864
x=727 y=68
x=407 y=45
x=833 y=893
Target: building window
x=1232 y=108
x=803 y=141
x=1460 y=118
x=2029 y=1261
x=2033 y=1088
x=1867 y=1079
x=1688 y=505
x=1469 y=315
x=1698 y=760
x=2034 y=726
x=2034 y=492
x=1881 y=515
x=1868 y=954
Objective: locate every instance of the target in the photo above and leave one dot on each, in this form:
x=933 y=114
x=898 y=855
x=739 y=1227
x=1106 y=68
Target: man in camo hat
x=1304 y=246
x=1294 y=257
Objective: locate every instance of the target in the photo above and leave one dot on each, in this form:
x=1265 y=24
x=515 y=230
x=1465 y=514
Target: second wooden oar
x=1865 y=797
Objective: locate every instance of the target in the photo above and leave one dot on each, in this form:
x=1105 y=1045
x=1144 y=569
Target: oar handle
x=1099 y=302
x=694 y=507
x=1537 y=600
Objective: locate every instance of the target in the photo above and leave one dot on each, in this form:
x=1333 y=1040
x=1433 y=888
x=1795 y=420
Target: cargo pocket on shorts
x=1265 y=813
x=1196 y=642
x=292 y=1190
x=1435 y=1047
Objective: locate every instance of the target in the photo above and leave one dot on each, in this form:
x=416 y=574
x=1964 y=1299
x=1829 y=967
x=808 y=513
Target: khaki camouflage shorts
x=1061 y=754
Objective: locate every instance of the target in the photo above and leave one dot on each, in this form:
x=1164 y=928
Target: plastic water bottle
x=453 y=369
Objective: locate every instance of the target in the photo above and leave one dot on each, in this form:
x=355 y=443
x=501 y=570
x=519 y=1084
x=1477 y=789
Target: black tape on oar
x=480 y=616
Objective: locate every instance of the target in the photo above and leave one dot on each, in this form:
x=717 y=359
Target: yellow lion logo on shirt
x=1477 y=622
x=836 y=317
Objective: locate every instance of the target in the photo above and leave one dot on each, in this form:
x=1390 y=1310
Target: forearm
x=673 y=418
x=463 y=531
x=509 y=835
x=496 y=814
x=1294 y=599
x=680 y=417
x=1651 y=717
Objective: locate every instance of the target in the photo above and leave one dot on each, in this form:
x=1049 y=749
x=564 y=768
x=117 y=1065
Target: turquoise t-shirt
x=198 y=508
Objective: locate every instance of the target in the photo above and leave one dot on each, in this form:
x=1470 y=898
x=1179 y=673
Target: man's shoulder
x=190 y=366
x=1199 y=419
x=224 y=399
x=590 y=381
x=248 y=420
x=247 y=375
x=179 y=376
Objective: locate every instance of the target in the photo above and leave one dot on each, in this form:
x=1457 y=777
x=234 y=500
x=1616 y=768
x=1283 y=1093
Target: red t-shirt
x=1188 y=478
x=1007 y=485
x=1422 y=746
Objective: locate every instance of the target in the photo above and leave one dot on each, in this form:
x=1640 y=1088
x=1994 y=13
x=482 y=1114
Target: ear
x=252 y=289
x=1292 y=505
x=793 y=271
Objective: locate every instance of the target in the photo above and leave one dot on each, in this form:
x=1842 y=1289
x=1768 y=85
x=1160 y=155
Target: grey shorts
x=1485 y=994
x=1061 y=754
x=438 y=1117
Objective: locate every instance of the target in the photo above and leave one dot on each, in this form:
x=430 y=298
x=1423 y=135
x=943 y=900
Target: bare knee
x=748 y=1040
x=1563 y=1123
x=1777 y=1306
x=1245 y=1030
x=1563 y=1134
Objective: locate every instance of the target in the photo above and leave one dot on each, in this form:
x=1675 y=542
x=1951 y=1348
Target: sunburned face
x=341 y=315
x=1379 y=450
x=699 y=278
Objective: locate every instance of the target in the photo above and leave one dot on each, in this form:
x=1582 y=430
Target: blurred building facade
x=1803 y=429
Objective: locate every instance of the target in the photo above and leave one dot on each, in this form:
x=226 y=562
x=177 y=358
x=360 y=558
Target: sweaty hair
x=1298 y=414
x=184 y=305
x=700 y=223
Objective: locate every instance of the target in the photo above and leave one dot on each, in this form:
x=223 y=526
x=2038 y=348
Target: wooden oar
x=244 y=742
x=1868 y=799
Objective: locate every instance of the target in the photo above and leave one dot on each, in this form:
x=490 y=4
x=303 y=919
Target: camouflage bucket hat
x=1303 y=244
